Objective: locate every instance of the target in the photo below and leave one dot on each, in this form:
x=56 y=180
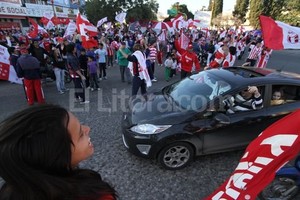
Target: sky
x=192 y=5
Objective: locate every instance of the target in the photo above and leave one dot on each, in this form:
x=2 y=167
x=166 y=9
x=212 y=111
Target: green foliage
x=256 y=9
x=136 y=9
x=209 y=8
x=291 y=13
x=217 y=9
x=240 y=9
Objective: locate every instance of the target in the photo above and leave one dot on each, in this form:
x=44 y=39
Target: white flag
x=101 y=21
x=71 y=28
x=121 y=17
x=108 y=26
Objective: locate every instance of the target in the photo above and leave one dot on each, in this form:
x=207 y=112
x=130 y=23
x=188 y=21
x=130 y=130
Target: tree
x=240 y=9
x=256 y=9
x=180 y=8
x=291 y=13
x=271 y=8
x=136 y=9
x=209 y=8
x=217 y=8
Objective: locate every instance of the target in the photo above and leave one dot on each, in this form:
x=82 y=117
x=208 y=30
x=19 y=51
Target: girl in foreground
x=40 y=149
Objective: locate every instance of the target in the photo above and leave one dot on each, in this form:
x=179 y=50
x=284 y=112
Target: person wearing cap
x=123 y=63
x=28 y=67
x=187 y=60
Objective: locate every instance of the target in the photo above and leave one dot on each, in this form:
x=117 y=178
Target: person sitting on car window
x=277 y=98
x=247 y=99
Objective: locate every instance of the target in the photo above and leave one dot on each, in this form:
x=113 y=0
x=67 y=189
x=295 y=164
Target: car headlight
x=148 y=129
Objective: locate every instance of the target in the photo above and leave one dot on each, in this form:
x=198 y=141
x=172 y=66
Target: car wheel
x=176 y=155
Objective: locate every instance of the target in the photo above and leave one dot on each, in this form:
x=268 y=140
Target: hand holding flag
x=121 y=17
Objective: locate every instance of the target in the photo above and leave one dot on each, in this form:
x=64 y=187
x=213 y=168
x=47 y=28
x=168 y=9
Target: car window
x=282 y=94
x=243 y=101
x=194 y=92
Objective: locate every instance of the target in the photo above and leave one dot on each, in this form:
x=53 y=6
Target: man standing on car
x=28 y=67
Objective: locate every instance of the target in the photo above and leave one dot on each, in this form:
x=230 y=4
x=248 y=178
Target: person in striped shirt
x=254 y=53
x=247 y=99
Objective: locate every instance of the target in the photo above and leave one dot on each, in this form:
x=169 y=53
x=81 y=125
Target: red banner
x=273 y=148
x=9 y=25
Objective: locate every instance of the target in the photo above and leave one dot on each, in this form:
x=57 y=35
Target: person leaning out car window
x=247 y=99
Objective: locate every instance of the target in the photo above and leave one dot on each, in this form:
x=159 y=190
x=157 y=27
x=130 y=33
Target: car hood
x=158 y=109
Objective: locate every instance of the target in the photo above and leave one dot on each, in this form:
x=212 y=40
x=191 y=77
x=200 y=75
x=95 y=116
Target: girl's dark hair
x=35 y=159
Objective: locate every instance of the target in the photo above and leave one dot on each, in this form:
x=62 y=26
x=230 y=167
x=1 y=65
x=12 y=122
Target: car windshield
x=194 y=92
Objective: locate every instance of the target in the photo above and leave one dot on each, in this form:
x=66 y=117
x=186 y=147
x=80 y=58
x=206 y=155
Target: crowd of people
x=88 y=66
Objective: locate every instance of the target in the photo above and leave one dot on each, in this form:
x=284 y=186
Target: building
x=14 y=13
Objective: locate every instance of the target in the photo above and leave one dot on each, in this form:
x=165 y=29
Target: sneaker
x=66 y=89
x=92 y=89
x=84 y=102
x=100 y=79
x=154 y=80
x=98 y=89
x=61 y=92
x=89 y=87
x=105 y=78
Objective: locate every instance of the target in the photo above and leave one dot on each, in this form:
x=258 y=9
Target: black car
x=188 y=118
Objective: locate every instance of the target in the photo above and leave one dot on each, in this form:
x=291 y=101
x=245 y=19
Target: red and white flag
x=70 y=30
x=184 y=40
x=7 y=71
x=121 y=17
x=278 y=35
x=87 y=30
x=101 y=21
x=273 y=148
x=33 y=32
x=47 y=20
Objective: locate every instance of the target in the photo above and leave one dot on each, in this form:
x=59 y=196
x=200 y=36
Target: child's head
x=82 y=51
x=90 y=59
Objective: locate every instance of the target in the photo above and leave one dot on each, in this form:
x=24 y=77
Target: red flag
x=33 y=33
x=87 y=30
x=278 y=35
x=273 y=148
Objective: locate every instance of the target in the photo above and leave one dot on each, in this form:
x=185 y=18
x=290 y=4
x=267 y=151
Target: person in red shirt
x=187 y=59
x=40 y=149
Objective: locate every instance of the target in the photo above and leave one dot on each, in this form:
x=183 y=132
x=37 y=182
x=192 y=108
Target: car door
x=243 y=128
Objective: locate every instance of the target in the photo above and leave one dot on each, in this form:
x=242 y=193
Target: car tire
x=176 y=155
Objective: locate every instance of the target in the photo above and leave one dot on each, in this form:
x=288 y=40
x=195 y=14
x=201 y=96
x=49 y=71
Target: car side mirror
x=221 y=118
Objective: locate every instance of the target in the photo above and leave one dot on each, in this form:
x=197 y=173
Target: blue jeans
x=60 y=79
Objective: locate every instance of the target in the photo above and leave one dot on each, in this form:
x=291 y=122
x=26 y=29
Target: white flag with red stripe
x=184 y=40
x=87 y=30
x=70 y=30
x=7 y=71
x=278 y=35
